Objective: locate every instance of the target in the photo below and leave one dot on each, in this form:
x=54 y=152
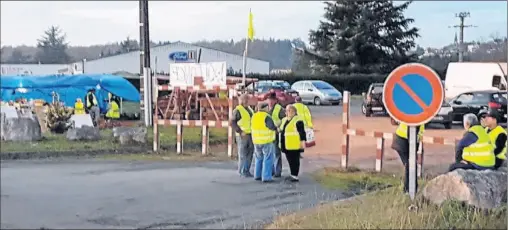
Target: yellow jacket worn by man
x=497 y=134
x=240 y=122
x=263 y=137
x=79 y=107
x=113 y=110
x=474 y=150
x=303 y=112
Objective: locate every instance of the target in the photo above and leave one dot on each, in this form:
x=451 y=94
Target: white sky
x=88 y=22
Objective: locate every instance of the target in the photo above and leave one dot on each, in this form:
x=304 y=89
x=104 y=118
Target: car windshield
x=283 y=84
x=322 y=85
x=377 y=89
x=500 y=98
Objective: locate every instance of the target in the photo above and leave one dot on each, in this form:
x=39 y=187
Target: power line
x=461 y=26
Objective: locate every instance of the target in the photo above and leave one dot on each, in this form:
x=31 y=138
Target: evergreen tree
x=52 y=47
x=362 y=36
x=128 y=45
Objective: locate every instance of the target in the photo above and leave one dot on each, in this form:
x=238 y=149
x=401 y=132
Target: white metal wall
x=130 y=61
x=30 y=69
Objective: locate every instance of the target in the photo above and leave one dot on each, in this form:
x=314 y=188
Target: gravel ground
x=93 y=193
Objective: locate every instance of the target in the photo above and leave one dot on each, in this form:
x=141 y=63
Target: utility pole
x=145 y=73
x=461 y=26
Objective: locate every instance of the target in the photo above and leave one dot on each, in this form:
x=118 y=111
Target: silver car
x=317 y=92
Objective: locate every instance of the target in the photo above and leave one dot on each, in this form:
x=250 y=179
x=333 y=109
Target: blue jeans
x=277 y=164
x=264 y=161
x=245 y=154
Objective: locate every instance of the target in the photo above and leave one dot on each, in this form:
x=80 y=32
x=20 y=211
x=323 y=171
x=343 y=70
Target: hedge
x=354 y=83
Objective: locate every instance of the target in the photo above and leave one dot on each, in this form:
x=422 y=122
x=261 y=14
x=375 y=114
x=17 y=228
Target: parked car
x=444 y=116
x=282 y=90
x=373 y=100
x=317 y=92
x=474 y=101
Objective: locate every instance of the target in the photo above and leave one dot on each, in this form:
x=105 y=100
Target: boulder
x=482 y=189
x=84 y=133
x=130 y=135
x=19 y=128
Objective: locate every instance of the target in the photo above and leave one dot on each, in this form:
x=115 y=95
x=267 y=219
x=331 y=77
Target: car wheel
x=317 y=101
x=364 y=109
x=448 y=125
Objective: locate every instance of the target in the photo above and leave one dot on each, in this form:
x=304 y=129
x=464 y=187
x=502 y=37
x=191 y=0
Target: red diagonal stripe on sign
x=413 y=95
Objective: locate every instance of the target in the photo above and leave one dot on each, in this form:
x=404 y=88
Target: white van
x=473 y=76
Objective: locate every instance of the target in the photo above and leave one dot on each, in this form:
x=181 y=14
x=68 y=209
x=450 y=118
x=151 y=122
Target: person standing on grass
x=92 y=106
x=292 y=141
x=475 y=150
x=263 y=137
x=277 y=113
x=401 y=145
x=241 y=123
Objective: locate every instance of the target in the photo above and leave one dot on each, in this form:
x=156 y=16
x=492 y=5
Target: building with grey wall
x=162 y=56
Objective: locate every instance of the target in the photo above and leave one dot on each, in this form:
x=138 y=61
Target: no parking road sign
x=413 y=94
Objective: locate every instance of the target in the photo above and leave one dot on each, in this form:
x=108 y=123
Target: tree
x=362 y=36
x=17 y=57
x=52 y=47
x=128 y=45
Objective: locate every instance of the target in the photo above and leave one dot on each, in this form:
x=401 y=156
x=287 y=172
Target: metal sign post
x=412 y=136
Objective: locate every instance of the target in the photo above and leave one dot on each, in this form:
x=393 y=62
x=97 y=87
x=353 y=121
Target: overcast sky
x=88 y=22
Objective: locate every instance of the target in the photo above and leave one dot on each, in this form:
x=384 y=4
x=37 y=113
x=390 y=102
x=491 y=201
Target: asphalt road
x=75 y=193
x=335 y=110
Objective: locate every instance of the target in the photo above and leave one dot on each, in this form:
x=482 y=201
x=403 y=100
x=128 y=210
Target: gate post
x=345 y=126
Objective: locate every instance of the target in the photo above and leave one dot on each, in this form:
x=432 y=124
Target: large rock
x=482 y=189
x=130 y=135
x=19 y=128
x=85 y=133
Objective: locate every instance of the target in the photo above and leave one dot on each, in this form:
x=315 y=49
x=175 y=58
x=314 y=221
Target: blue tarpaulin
x=69 y=87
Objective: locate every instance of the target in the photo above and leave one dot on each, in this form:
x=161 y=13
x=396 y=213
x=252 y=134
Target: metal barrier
x=380 y=140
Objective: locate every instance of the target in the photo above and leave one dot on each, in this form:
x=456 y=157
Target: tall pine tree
x=52 y=47
x=362 y=37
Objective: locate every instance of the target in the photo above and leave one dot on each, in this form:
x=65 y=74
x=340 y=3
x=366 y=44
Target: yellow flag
x=250 y=32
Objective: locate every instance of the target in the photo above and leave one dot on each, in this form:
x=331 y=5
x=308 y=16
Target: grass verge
x=58 y=142
x=385 y=209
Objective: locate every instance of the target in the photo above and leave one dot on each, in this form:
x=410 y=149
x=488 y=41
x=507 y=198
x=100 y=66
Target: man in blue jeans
x=263 y=137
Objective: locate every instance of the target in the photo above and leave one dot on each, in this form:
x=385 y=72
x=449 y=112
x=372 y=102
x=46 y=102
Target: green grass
x=58 y=142
x=385 y=208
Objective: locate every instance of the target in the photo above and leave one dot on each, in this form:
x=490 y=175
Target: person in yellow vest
x=304 y=113
x=263 y=137
x=277 y=113
x=113 y=109
x=292 y=141
x=474 y=150
x=79 y=107
x=241 y=122
x=496 y=133
x=92 y=106
x=401 y=145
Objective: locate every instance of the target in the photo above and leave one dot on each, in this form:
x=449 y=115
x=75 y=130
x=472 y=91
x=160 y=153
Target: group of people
x=268 y=132
x=91 y=106
x=482 y=147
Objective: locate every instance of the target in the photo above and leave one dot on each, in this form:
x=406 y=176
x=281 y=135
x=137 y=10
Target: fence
x=380 y=140
x=204 y=124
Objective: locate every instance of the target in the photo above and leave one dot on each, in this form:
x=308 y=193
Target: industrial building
x=160 y=58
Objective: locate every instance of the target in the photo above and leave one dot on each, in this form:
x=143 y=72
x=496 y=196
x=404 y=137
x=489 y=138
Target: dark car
x=282 y=89
x=373 y=100
x=474 y=101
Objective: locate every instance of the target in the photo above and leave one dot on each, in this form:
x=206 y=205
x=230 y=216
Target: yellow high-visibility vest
x=79 y=108
x=245 y=120
x=402 y=131
x=113 y=111
x=493 y=134
x=275 y=114
x=260 y=133
x=304 y=113
x=481 y=152
x=291 y=136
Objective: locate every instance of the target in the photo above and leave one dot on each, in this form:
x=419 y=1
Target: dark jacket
x=300 y=127
x=401 y=145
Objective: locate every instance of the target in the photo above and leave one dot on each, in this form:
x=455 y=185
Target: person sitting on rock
x=496 y=133
x=474 y=150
